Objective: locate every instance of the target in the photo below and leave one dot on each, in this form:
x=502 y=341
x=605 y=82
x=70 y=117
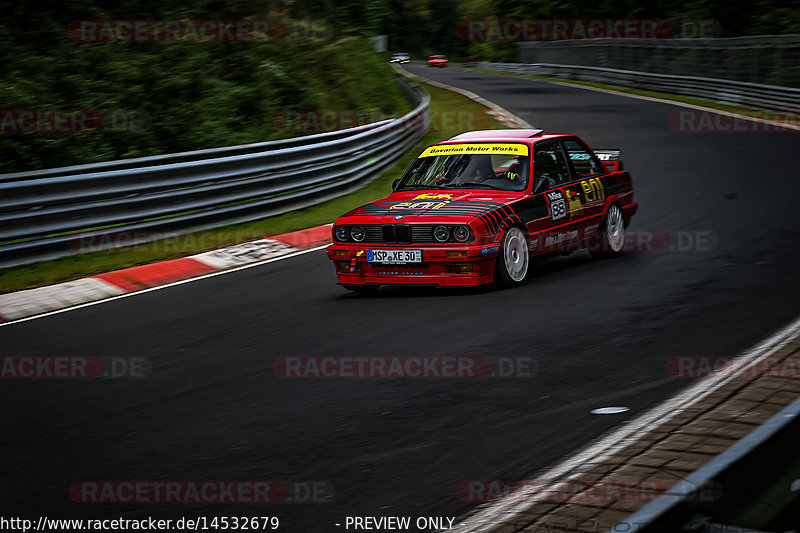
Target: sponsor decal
x=575 y=205
x=558 y=206
x=608 y=155
x=491 y=250
x=593 y=190
x=430 y=196
x=483 y=148
x=561 y=238
x=418 y=205
x=579 y=156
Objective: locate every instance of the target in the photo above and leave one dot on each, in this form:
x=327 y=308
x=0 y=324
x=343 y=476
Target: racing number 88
x=559 y=209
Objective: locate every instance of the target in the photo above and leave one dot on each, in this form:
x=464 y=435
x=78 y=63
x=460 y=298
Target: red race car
x=437 y=61
x=474 y=209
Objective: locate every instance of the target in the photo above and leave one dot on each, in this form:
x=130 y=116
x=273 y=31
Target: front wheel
x=512 y=261
x=612 y=234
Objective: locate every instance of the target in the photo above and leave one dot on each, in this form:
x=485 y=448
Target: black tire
x=513 y=259
x=611 y=239
x=362 y=289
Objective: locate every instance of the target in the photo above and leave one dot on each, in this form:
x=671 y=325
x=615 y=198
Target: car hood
x=454 y=206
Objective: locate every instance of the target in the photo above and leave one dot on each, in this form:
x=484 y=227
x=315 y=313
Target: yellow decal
x=482 y=148
x=593 y=190
x=418 y=205
x=359 y=253
x=575 y=206
x=430 y=196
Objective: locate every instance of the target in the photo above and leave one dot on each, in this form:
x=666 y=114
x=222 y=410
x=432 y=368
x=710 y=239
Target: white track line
x=486 y=518
x=650 y=99
x=165 y=286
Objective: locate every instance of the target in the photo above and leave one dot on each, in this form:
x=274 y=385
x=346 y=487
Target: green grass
x=664 y=96
x=452 y=114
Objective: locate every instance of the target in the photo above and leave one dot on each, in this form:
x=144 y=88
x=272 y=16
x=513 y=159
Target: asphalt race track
x=600 y=334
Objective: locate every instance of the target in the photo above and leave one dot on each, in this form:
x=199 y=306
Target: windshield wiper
x=423 y=187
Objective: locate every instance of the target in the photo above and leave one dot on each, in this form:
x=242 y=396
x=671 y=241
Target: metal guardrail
x=752 y=95
x=763 y=59
x=752 y=481
x=44 y=213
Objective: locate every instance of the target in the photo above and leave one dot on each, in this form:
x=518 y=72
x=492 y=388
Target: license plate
x=394 y=257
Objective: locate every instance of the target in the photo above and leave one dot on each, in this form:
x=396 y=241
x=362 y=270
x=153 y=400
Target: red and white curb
x=31 y=302
x=503 y=118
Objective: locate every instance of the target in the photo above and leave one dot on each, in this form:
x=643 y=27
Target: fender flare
x=607 y=204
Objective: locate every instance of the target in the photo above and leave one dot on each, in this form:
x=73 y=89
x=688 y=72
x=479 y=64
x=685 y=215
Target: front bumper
x=444 y=266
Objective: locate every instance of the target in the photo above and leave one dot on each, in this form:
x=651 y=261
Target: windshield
x=499 y=169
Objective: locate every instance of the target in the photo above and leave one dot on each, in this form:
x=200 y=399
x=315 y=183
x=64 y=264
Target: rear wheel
x=512 y=261
x=362 y=289
x=612 y=234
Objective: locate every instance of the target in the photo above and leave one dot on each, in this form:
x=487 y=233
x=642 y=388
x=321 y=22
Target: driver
x=545 y=171
x=479 y=169
x=477 y=177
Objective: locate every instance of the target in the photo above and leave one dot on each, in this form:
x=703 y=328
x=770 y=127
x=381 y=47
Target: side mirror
x=394 y=184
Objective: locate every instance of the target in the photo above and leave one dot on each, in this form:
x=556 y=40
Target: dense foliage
x=167 y=97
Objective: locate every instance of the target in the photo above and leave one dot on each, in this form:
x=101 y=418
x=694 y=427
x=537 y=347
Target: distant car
x=476 y=208
x=400 y=57
x=437 y=61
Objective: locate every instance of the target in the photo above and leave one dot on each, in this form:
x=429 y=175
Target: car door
x=557 y=231
x=587 y=188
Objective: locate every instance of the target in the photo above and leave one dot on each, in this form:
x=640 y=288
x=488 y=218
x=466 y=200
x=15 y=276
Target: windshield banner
x=484 y=148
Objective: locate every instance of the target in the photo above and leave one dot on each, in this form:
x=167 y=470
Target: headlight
x=441 y=233
x=461 y=233
x=357 y=233
x=340 y=233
